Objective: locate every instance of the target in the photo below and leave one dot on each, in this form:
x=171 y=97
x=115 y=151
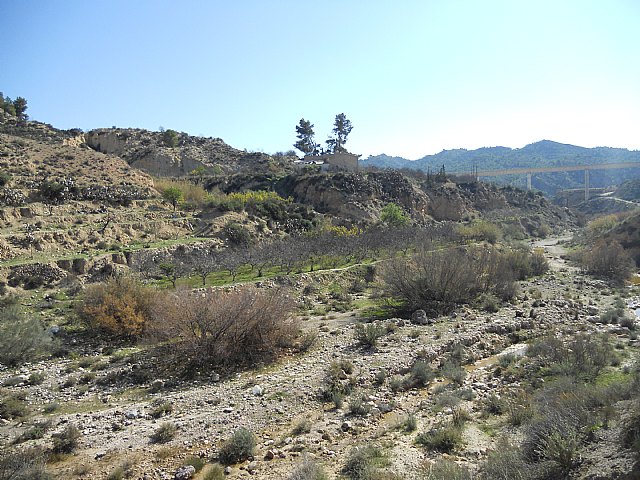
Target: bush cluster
x=121 y=306
x=22 y=338
x=240 y=326
x=438 y=280
x=238 y=448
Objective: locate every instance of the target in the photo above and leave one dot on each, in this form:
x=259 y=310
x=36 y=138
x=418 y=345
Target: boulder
x=419 y=317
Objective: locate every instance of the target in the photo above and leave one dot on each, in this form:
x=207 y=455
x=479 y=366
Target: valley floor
x=281 y=405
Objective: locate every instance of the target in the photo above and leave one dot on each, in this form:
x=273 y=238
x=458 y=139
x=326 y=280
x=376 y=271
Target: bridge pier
x=586 y=185
x=529 y=181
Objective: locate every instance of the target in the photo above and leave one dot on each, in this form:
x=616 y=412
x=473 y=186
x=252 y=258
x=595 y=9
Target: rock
x=228 y=470
x=99 y=455
x=257 y=390
x=519 y=313
x=185 y=473
x=252 y=467
x=131 y=414
x=419 y=317
x=346 y=426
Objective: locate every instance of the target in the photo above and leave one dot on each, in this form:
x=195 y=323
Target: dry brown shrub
x=121 y=306
x=238 y=326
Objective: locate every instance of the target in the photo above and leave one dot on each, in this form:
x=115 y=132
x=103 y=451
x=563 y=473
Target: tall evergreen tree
x=305 y=134
x=341 y=129
x=20 y=105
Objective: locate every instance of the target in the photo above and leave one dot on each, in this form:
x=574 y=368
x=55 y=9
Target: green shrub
x=13 y=405
x=164 y=433
x=5 y=178
x=505 y=462
x=410 y=424
x=445 y=438
x=421 y=374
x=367 y=335
x=445 y=470
x=161 y=408
x=454 y=372
x=307 y=469
x=22 y=339
x=35 y=432
x=238 y=448
x=67 y=440
x=365 y=463
x=358 y=406
x=494 y=405
x=196 y=462
x=337 y=381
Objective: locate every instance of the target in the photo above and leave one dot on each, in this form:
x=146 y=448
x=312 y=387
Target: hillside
x=150 y=151
x=270 y=322
x=541 y=154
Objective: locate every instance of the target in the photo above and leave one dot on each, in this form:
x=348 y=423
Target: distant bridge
x=529 y=171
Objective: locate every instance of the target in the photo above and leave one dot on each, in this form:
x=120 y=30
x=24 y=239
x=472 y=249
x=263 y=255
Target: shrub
x=365 y=463
x=454 y=372
x=608 y=260
x=161 y=408
x=437 y=281
x=367 y=335
x=494 y=405
x=421 y=374
x=489 y=302
x=631 y=430
x=445 y=470
x=67 y=440
x=411 y=423
x=196 y=462
x=5 y=178
x=358 y=406
x=164 y=433
x=22 y=339
x=34 y=433
x=307 y=469
x=237 y=327
x=121 y=306
x=13 y=405
x=505 y=463
x=214 y=472
x=238 y=448
x=302 y=426
x=237 y=234
x=445 y=438
x=23 y=465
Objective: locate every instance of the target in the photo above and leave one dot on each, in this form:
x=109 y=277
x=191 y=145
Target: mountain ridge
x=544 y=153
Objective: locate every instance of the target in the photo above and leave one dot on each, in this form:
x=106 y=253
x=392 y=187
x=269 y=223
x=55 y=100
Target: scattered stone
x=185 y=473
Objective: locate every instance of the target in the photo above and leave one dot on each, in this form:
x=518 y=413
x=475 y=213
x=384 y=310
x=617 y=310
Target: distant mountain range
x=545 y=153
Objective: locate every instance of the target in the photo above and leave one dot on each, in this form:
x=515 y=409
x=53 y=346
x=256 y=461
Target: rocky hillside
x=154 y=153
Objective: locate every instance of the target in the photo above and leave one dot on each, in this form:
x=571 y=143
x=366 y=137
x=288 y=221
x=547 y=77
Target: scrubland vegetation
x=278 y=339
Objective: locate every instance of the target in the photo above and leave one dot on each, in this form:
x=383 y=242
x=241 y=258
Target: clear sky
x=414 y=76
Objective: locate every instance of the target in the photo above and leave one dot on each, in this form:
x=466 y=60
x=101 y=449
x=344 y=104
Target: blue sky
x=414 y=77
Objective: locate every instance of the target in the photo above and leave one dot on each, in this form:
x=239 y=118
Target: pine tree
x=305 y=134
x=341 y=129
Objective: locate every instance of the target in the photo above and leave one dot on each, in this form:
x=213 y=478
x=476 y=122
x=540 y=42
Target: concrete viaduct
x=529 y=171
